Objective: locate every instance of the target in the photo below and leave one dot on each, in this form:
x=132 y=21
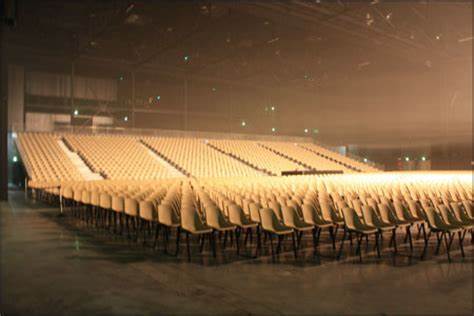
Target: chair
x=389 y=217
x=191 y=223
x=168 y=218
x=312 y=217
x=292 y=220
x=238 y=218
x=443 y=229
x=371 y=218
x=353 y=224
x=273 y=227
x=216 y=220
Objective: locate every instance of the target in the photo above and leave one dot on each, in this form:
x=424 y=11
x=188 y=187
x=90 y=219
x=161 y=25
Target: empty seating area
x=118 y=157
x=341 y=159
x=256 y=155
x=149 y=158
x=199 y=159
x=306 y=157
x=45 y=162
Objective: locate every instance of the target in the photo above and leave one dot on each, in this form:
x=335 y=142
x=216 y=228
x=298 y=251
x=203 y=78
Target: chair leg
x=225 y=239
x=377 y=244
x=157 y=232
x=342 y=244
x=448 y=244
x=359 y=250
x=237 y=239
x=294 y=244
x=333 y=237
x=188 y=250
x=394 y=237
x=259 y=244
x=280 y=238
x=409 y=238
x=213 y=244
x=461 y=239
x=440 y=239
x=178 y=234
x=202 y=240
x=271 y=244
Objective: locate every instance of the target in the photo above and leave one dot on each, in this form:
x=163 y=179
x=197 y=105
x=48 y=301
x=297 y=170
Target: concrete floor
x=52 y=265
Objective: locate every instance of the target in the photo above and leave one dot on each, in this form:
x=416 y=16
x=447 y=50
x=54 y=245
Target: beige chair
x=272 y=226
x=169 y=219
x=442 y=229
x=353 y=224
x=191 y=223
x=244 y=223
x=216 y=220
x=292 y=220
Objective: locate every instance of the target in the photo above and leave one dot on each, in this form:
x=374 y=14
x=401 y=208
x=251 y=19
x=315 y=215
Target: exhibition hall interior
x=236 y=157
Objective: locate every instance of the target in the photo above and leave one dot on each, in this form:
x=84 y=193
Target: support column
x=3 y=122
x=73 y=70
x=185 y=103
x=133 y=98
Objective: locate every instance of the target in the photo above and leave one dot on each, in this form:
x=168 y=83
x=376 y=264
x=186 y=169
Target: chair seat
x=283 y=231
x=304 y=227
x=206 y=230
x=224 y=228
x=250 y=225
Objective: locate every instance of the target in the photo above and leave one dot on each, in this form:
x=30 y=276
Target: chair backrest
x=167 y=216
x=351 y=219
x=386 y=214
x=309 y=214
x=370 y=218
x=190 y=219
x=236 y=215
x=468 y=208
x=357 y=204
x=255 y=212
x=269 y=219
x=327 y=211
x=215 y=217
x=275 y=206
x=290 y=217
x=446 y=214
x=433 y=218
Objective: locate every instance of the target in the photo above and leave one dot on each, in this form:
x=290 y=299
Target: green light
x=315 y=131
x=186 y=58
x=158 y=98
x=15 y=158
x=121 y=77
x=423 y=158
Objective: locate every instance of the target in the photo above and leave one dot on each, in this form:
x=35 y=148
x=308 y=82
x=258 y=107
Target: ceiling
x=330 y=51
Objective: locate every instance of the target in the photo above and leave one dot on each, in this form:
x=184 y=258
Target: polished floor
x=54 y=265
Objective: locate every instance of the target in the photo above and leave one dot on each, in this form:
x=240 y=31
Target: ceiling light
x=76 y=112
x=243 y=124
x=306 y=131
x=274 y=129
x=407 y=158
x=272 y=108
x=423 y=158
x=125 y=119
